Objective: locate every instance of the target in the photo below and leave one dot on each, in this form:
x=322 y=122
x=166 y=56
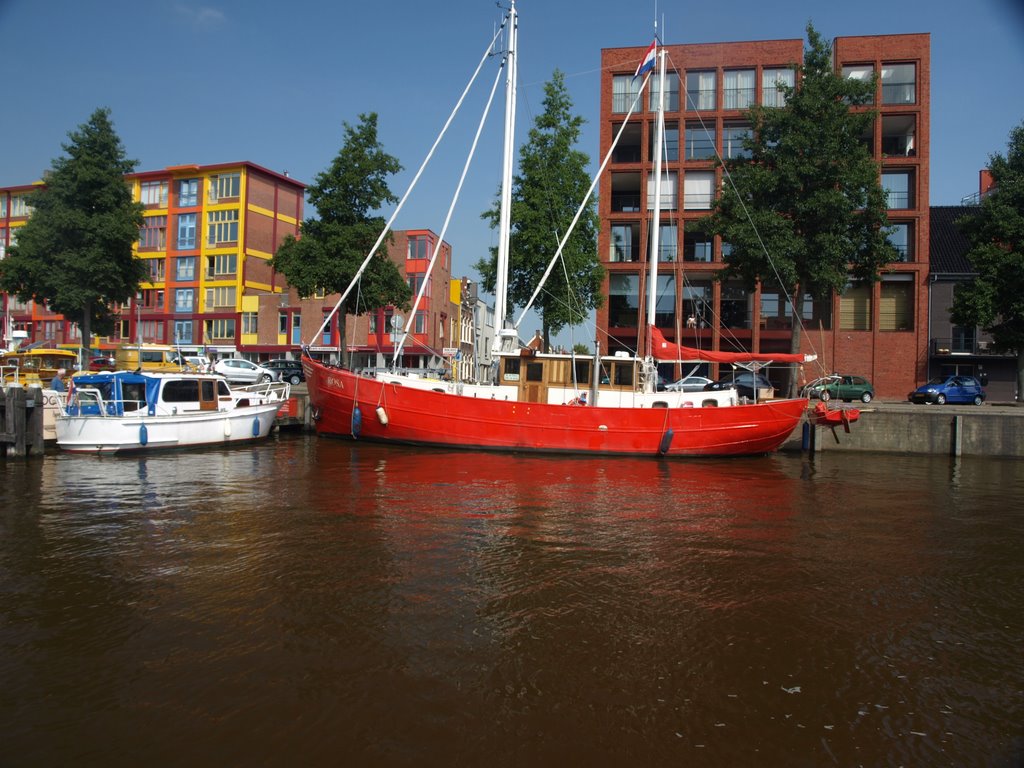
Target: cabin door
x=532 y=386
x=207 y=395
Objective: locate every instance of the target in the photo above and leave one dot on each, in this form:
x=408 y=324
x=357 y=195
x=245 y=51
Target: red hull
x=424 y=417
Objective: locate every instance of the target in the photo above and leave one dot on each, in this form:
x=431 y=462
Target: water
x=314 y=602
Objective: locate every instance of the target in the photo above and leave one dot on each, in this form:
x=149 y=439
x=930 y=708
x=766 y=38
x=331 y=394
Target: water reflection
x=308 y=599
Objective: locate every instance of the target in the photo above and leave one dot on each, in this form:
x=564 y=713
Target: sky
x=273 y=83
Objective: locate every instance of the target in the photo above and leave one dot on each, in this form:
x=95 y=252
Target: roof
x=949 y=246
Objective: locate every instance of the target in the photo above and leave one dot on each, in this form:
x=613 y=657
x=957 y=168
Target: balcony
x=955 y=347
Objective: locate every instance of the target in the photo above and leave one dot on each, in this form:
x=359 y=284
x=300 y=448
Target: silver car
x=239 y=370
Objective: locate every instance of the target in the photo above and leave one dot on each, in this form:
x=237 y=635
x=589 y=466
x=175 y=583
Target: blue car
x=949 y=389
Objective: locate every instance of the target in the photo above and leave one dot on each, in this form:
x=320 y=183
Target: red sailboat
x=554 y=403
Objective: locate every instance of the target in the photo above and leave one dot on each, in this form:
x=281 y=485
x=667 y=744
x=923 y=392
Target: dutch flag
x=648 y=62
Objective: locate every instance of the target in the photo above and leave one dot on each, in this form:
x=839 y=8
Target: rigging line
x=448 y=218
x=416 y=178
x=583 y=205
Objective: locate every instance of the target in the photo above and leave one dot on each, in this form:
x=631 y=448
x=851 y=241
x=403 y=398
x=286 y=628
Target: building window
x=898 y=135
x=700 y=141
x=372 y=328
x=625 y=242
x=183 y=331
x=419 y=247
x=185 y=268
x=773 y=83
x=222 y=227
x=296 y=328
x=221 y=296
x=623 y=300
x=899 y=83
x=221 y=328
x=624 y=91
x=415 y=282
x=184 y=299
x=420 y=326
x=326 y=340
x=700 y=90
x=668 y=245
x=153 y=298
x=225 y=186
x=250 y=322
x=3 y=206
x=733 y=136
x=896 y=305
x=221 y=264
x=669 y=183
x=698 y=190
x=188 y=192
x=154 y=269
x=670 y=144
x=186 y=231
x=697 y=300
x=3 y=242
x=698 y=246
x=154 y=193
x=282 y=323
x=20 y=207
x=860 y=72
x=152 y=330
x=855 y=308
x=899 y=189
x=734 y=306
x=665 y=302
x=739 y=88
x=153 y=233
x=671 y=92
x=901 y=239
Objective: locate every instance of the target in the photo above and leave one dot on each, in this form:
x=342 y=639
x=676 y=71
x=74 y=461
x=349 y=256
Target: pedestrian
x=57 y=384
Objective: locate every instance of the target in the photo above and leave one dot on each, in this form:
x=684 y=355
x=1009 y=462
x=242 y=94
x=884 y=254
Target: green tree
x=546 y=194
x=805 y=211
x=75 y=251
x=994 y=299
x=330 y=249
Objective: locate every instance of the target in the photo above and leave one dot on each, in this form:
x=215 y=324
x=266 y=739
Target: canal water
x=318 y=603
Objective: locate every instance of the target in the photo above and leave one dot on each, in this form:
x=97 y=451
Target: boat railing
x=89 y=401
x=267 y=391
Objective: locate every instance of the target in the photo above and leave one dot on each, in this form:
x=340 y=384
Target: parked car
x=237 y=369
x=949 y=389
x=843 y=387
x=689 y=384
x=288 y=370
x=745 y=382
x=102 y=363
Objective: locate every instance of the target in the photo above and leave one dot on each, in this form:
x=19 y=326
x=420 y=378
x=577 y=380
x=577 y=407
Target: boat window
x=534 y=371
x=583 y=369
x=511 y=369
x=222 y=388
x=182 y=391
x=133 y=395
x=208 y=389
x=622 y=374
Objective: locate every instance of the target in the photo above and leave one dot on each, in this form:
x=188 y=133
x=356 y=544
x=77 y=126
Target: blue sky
x=271 y=82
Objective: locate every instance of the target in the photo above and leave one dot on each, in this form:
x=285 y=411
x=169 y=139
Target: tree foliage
x=75 y=251
x=994 y=299
x=806 y=210
x=330 y=249
x=551 y=183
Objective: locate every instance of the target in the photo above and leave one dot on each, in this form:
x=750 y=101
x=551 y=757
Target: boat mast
x=505 y=218
x=655 y=234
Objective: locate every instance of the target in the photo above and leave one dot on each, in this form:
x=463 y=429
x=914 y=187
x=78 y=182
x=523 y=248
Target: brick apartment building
x=879 y=331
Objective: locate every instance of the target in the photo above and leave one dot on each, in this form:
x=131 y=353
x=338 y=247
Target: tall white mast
x=505 y=220
x=655 y=234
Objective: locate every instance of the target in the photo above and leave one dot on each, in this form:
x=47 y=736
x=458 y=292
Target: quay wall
x=923 y=429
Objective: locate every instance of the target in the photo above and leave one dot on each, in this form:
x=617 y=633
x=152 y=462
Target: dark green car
x=845 y=388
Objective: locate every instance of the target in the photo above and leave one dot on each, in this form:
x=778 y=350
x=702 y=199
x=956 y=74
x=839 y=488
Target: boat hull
x=393 y=413
x=99 y=434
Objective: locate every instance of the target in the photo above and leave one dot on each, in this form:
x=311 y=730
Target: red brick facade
x=882 y=334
